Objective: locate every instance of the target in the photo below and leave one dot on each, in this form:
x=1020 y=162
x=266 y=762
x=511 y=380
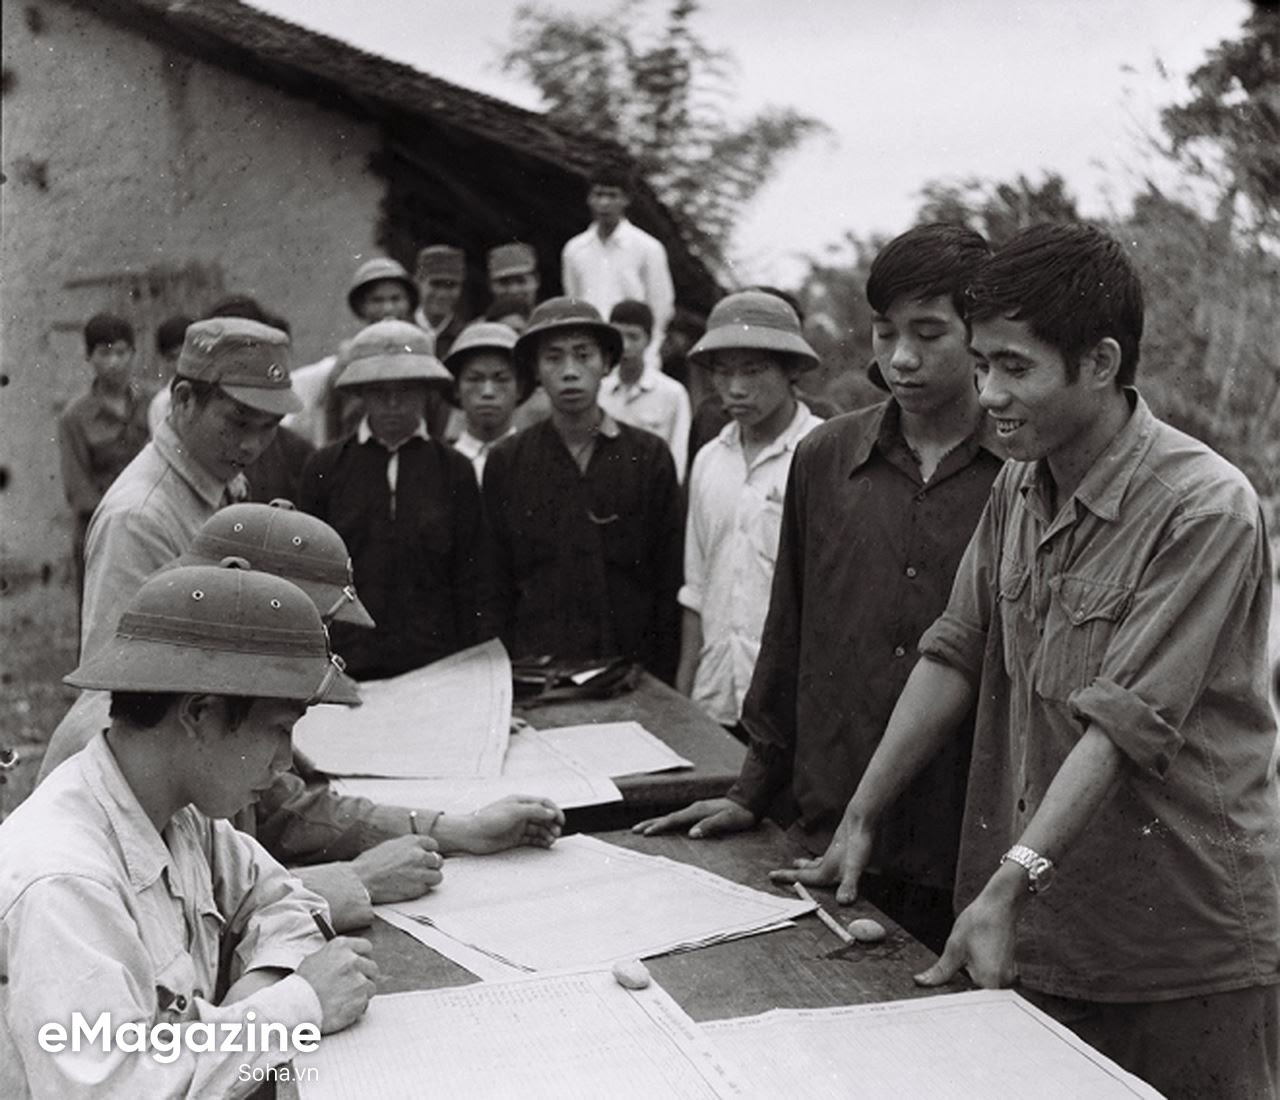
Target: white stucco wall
x=141 y=181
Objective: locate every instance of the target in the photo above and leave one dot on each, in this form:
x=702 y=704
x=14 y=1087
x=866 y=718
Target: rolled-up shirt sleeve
x=1191 y=609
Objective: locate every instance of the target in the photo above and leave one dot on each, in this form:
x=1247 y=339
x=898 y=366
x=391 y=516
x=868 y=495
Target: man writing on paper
x=121 y=886
x=1109 y=621
x=354 y=853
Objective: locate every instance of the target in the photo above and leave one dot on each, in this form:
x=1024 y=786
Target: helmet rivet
x=197 y=595
x=237 y=527
x=297 y=540
x=275 y=604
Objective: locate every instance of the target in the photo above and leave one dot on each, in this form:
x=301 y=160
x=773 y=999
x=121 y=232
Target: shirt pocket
x=766 y=530
x=1017 y=627
x=1080 y=621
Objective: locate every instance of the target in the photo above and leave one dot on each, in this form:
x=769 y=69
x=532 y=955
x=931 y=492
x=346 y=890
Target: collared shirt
x=416 y=561
x=442 y=335
x=730 y=547
x=653 y=402
x=865 y=562
x=99 y=913
x=586 y=564
x=477 y=450
x=364 y=434
x=96 y=442
x=147 y=518
x=628 y=263
x=1140 y=608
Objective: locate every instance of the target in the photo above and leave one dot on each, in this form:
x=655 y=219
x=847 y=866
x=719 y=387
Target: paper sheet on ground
x=588 y=903
x=532 y=766
x=451 y=718
x=615 y=748
x=989 y=1043
x=558 y=1038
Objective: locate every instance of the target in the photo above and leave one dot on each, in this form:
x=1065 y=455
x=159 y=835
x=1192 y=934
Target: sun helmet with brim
x=276 y=538
x=490 y=336
x=753 y=320
x=560 y=315
x=391 y=351
x=375 y=270
x=249 y=361
x=222 y=631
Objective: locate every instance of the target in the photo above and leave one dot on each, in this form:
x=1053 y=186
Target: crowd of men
x=1003 y=629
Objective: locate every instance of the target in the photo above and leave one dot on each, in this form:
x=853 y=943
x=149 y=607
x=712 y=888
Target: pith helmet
x=249 y=360
x=391 y=351
x=754 y=320
x=221 y=630
x=557 y=314
x=276 y=539
x=375 y=270
x=489 y=336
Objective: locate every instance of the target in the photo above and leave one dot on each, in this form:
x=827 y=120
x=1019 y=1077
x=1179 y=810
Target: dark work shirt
x=277 y=472
x=865 y=563
x=586 y=564
x=96 y=443
x=416 y=566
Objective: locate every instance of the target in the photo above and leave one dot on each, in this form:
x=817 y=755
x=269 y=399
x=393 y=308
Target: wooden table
x=674 y=719
x=800 y=967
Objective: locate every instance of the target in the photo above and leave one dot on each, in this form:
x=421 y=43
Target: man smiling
x=1109 y=622
x=230 y=390
x=876 y=514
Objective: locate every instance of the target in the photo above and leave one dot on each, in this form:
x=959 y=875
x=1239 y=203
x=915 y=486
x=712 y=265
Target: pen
x=823 y=915
x=326 y=929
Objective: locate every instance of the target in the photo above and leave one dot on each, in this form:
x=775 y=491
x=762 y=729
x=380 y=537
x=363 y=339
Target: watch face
x=1041 y=875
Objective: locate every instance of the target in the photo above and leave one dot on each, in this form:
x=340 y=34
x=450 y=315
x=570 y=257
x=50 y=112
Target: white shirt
x=655 y=402
x=477 y=450
x=731 y=547
x=629 y=263
x=364 y=433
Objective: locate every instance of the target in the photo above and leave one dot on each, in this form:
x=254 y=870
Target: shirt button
x=899 y=651
x=911 y=570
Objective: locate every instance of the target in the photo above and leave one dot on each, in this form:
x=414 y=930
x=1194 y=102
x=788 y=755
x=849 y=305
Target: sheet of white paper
x=588 y=903
x=989 y=1043
x=532 y=766
x=451 y=718
x=565 y=1037
x=615 y=748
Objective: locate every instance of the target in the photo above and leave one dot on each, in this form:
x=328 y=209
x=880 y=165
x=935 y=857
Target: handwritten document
x=615 y=748
x=566 y=1036
x=449 y=719
x=533 y=766
x=588 y=903
x=989 y=1043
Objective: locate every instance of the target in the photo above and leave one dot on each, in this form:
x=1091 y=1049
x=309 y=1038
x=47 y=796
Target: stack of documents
x=583 y=903
x=583 y=1035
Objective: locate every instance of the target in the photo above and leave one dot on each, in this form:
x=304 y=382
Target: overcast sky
x=913 y=90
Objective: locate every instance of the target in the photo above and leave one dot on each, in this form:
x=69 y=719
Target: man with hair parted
x=121 y=884
x=1109 y=622
x=876 y=513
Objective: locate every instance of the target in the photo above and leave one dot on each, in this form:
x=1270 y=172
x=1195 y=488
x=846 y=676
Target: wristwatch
x=1039 y=868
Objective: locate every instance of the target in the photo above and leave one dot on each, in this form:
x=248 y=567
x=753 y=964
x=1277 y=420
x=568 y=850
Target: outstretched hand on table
x=705 y=818
x=508 y=823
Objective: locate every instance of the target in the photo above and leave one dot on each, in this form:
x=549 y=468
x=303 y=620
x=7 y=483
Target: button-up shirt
x=99 y=913
x=586 y=563
x=477 y=450
x=147 y=518
x=865 y=562
x=96 y=443
x=1140 y=608
x=654 y=402
x=730 y=547
x=628 y=263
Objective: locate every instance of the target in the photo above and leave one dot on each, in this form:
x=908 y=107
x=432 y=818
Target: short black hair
x=145 y=709
x=240 y=305
x=926 y=262
x=785 y=295
x=1072 y=284
x=107 y=328
x=170 y=334
x=631 y=312
x=612 y=175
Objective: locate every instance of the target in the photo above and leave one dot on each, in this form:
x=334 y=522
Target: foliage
x=666 y=101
